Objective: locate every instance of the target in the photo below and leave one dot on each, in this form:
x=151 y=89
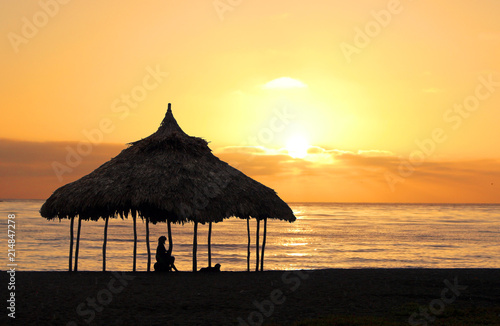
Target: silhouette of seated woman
x=164 y=259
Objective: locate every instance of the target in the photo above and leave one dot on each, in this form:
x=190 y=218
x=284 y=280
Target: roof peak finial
x=169 y=125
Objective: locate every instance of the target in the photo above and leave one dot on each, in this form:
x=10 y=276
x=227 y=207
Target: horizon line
x=330 y=202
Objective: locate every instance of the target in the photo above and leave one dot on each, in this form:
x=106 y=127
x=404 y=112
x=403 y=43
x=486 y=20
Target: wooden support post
x=134 y=218
x=77 y=243
x=170 y=242
x=257 y=245
x=248 y=246
x=71 y=243
x=209 y=244
x=195 y=244
x=147 y=244
x=104 y=244
x=263 y=245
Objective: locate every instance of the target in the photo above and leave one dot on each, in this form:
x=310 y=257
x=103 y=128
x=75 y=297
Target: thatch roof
x=168 y=175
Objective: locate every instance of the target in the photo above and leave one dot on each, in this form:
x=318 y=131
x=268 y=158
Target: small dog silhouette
x=214 y=269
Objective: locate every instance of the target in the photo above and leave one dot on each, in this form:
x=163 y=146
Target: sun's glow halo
x=297 y=146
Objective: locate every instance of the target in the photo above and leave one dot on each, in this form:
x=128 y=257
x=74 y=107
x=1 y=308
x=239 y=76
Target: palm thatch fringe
x=263 y=245
x=195 y=245
x=104 y=244
x=71 y=244
x=147 y=244
x=257 y=246
x=77 y=243
x=209 y=244
x=248 y=246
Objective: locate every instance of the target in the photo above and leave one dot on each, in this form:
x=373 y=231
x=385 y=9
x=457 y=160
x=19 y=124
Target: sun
x=297 y=146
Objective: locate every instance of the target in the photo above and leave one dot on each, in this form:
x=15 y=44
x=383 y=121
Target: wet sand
x=241 y=298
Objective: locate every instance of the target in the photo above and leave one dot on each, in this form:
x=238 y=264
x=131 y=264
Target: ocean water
x=325 y=235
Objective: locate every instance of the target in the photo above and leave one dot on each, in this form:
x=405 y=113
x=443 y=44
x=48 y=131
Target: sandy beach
x=391 y=296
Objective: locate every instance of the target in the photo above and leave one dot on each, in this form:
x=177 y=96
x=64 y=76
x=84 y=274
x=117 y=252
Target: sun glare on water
x=297 y=147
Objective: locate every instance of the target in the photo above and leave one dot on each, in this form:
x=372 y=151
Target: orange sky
x=397 y=101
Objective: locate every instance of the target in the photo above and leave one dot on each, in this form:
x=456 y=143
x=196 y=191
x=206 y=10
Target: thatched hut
x=167 y=177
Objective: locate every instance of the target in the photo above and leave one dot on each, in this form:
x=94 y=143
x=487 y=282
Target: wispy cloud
x=361 y=175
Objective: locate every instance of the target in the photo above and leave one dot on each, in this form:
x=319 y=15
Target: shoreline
x=239 y=298
x=266 y=271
